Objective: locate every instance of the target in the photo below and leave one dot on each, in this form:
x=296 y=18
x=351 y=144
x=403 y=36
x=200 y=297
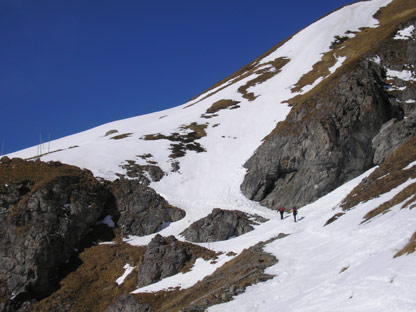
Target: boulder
x=127 y=303
x=220 y=225
x=164 y=257
x=393 y=134
x=142 y=210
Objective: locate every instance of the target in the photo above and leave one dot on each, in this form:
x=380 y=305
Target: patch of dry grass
x=199 y=129
x=242 y=271
x=365 y=41
x=183 y=142
x=263 y=75
x=409 y=248
x=334 y=218
x=121 y=136
x=408 y=192
x=220 y=105
x=92 y=286
x=242 y=73
x=110 y=132
x=37 y=172
x=389 y=175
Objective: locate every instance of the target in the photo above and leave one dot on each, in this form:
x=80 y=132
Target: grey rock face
x=219 y=225
x=321 y=145
x=127 y=303
x=333 y=136
x=42 y=226
x=142 y=210
x=164 y=257
x=393 y=134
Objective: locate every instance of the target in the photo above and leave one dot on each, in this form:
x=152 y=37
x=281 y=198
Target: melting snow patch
x=406 y=75
x=339 y=62
x=200 y=270
x=128 y=269
x=405 y=34
x=376 y=59
x=409 y=166
x=108 y=220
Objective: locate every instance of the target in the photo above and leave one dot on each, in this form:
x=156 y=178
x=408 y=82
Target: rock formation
x=142 y=210
x=46 y=211
x=337 y=133
x=127 y=303
x=220 y=225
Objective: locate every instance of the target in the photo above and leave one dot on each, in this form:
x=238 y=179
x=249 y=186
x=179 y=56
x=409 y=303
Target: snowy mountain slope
x=344 y=266
x=232 y=136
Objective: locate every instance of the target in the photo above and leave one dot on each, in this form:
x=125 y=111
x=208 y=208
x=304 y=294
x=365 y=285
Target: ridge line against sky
x=68 y=66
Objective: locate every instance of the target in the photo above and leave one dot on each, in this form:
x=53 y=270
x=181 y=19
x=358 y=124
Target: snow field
x=311 y=258
x=345 y=266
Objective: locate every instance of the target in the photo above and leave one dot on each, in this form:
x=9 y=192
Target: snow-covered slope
x=345 y=266
x=212 y=177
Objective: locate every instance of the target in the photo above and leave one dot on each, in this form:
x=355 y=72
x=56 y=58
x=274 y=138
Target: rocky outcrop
x=336 y=134
x=46 y=210
x=50 y=212
x=142 y=210
x=393 y=134
x=221 y=225
x=164 y=257
x=127 y=303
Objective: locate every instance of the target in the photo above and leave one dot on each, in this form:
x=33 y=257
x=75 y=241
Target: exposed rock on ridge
x=142 y=210
x=50 y=212
x=332 y=136
x=44 y=217
x=166 y=256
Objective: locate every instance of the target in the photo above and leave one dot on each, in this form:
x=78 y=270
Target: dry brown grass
x=110 y=132
x=242 y=271
x=199 y=129
x=334 y=218
x=399 y=198
x=242 y=73
x=145 y=156
x=185 y=142
x=389 y=175
x=92 y=286
x=355 y=48
x=39 y=173
x=264 y=75
x=220 y=105
x=121 y=136
x=409 y=248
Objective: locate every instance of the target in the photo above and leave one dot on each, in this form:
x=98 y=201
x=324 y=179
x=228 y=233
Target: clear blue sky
x=70 y=65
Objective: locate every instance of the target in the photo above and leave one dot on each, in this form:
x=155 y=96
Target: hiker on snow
x=295 y=212
x=281 y=210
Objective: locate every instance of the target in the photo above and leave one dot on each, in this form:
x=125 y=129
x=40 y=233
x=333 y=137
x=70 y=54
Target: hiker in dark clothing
x=295 y=212
x=281 y=210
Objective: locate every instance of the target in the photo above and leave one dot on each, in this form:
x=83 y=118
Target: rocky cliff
x=352 y=123
x=50 y=212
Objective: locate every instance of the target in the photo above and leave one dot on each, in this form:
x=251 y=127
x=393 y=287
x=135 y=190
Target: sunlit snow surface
x=406 y=33
x=311 y=258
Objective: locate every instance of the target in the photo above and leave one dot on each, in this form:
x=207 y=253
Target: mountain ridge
x=200 y=148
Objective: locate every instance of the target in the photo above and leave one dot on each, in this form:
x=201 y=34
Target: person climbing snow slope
x=281 y=210
x=295 y=212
